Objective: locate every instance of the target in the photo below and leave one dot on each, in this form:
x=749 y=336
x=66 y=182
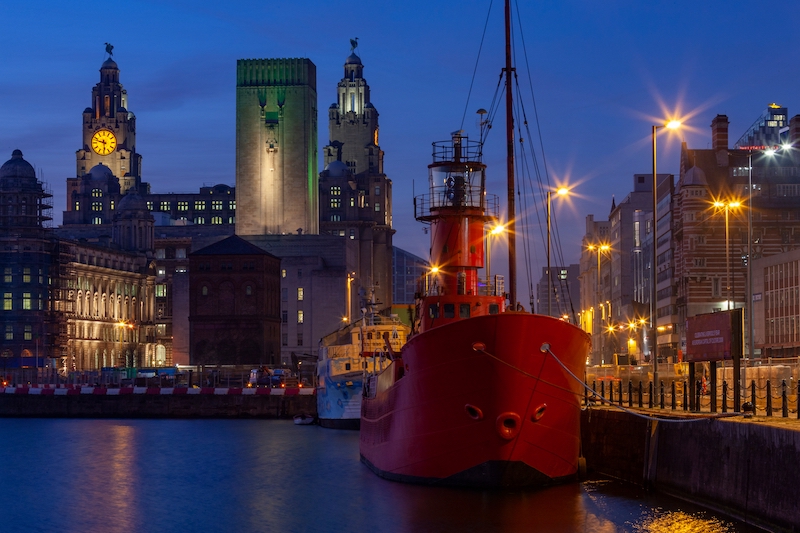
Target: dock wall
x=99 y=403
x=748 y=469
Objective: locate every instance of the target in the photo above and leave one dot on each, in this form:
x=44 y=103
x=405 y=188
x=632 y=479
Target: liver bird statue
x=353 y=44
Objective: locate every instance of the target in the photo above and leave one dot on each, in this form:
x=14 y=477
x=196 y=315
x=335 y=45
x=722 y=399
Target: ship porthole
x=508 y=425
x=478 y=346
x=539 y=413
x=473 y=412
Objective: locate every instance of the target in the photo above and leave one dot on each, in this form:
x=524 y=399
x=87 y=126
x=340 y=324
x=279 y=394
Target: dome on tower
x=337 y=169
x=100 y=171
x=353 y=59
x=132 y=202
x=17 y=167
x=109 y=63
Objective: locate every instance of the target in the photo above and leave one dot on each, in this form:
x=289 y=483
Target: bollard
x=661 y=394
x=640 y=394
x=784 y=400
x=620 y=392
x=697 y=391
x=630 y=393
x=798 y=400
x=673 y=396
x=650 y=396
x=753 y=395
x=769 y=398
x=724 y=396
x=602 y=389
x=685 y=396
x=594 y=390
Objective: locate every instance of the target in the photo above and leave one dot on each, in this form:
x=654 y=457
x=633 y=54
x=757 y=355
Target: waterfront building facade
x=565 y=298
x=594 y=284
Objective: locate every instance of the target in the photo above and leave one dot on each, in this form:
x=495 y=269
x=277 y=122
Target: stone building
x=276 y=146
x=233 y=304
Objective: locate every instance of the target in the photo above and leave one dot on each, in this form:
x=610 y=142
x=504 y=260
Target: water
x=253 y=475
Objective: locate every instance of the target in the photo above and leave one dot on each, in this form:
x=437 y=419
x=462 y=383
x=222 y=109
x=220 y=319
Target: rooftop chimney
x=719 y=133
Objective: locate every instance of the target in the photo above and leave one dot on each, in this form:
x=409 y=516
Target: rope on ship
x=546 y=349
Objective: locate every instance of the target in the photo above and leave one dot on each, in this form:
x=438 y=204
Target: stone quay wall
x=90 y=402
x=746 y=468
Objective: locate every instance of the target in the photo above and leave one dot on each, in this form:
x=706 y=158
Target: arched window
x=204 y=290
x=97 y=193
x=248 y=290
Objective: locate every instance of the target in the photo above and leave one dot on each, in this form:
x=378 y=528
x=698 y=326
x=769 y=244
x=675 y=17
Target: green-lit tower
x=276 y=147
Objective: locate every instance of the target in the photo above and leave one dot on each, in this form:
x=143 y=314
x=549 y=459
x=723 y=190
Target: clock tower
x=109 y=132
x=107 y=164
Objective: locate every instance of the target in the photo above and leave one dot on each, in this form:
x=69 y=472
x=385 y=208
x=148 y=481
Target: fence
x=772 y=387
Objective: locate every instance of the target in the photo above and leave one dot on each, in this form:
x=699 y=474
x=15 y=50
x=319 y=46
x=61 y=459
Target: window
x=200 y=204
x=284 y=316
x=248 y=290
x=97 y=193
x=216 y=205
x=283 y=272
x=299 y=338
x=26 y=301
x=433 y=311
x=336 y=190
x=180 y=270
x=336 y=218
x=336 y=203
x=231 y=220
x=180 y=253
x=216 y=220
x=377 y=206
x=161 y=272
x=111 y=204
x=9 y=332
x=232 y=205
x=97 y=220
x=165 y=206
x=299 y=272
x=97 y=206
x=284 y=339
x=160 y=253
x=352 y=201
x=299 y=294
x=463 y=310
x=377 y=190
x=204 y=290
x=7 y=275
x=150 y=206
x=449 y=310
x=26 y=275
x=77 y=206
x=28 y=332
x=300 y=317
x=352 y=234
x=715 y=288
x=199 y=220
x=183 y=206
x=7 y=302
x=161 y=290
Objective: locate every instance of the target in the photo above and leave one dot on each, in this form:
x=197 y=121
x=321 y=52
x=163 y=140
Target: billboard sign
x=708 y=337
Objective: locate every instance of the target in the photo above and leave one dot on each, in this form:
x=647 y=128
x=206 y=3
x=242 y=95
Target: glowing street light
x=495 y=231
x=561 y=191
x=672 y=125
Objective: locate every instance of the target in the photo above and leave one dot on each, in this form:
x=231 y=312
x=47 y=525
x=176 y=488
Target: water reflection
x=238 y=475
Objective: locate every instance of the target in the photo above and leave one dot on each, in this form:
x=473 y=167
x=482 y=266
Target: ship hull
x=339 y=401
x=478 y=403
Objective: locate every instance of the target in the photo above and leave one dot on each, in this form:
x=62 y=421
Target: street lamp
x=727 y=206
x=599 y=248
x=672 y=125
x=561 y=191
x=350 y=277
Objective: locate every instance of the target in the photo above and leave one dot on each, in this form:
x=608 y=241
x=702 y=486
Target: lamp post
x=672 y=124
x=727 y=206
x=350 y=277
x=561 y=191
x=599 y=248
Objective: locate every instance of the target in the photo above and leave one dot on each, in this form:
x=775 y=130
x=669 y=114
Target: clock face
x=104 y=142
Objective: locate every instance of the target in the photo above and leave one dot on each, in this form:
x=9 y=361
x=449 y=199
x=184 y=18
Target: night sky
x=602 y=72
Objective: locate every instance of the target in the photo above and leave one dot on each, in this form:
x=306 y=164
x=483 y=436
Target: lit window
x=352 y=234
x=161 y=272
x=199 y=220
x=336 y=218
x=97 y=193
x=299 y=317
x=216 y=220
x=200 y=204
x=160 y=253
x=352 y=202
x=377 y=190
x=77 y=206
x=161 y=291
x=336 y=190
x=150 y=206
x=377 y=206
x=28 y=333
x=204 y=291
x=183 y=206
x=232 y=205
x=248 y=290
x=283 y=272
x=180 y=253
x=26 y=275
x=97 y=220
x=26 y=301
x=299 y=294
x=165 y=206
x=9 y=332
x=7 y=275
x=216 y=205
x=97 y=206
x=7 y=302
x=231 y=220
x=336 y=203
x=111 y=204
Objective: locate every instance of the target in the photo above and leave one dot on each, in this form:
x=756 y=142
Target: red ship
x=480 y=395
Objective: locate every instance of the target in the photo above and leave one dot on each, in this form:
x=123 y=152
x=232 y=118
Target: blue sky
x=602 y=73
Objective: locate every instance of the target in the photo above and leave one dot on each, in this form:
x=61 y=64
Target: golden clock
x=104 y=142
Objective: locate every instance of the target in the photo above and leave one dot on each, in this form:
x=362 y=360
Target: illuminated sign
x=708 y=337
x=757 y=148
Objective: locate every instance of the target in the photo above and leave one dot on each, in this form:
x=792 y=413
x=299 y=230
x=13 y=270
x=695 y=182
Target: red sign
x=708 y=337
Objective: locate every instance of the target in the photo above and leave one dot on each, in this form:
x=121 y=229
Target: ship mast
x=512 y=235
